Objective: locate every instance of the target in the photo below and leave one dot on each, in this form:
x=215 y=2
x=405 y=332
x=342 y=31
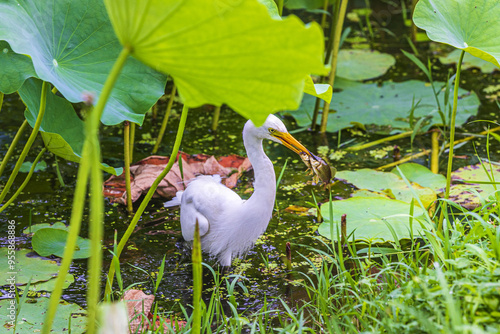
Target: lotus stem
x=12 y=146
x=197 y=281
x=279 y=4
x=26 y=181
x=215 y=119
x=132 y=141
x=1 y=100
x=31 y=139
x=58 y=172
x=435 y=152
x=379 y=141
x=126 y=149
x=90 y=151
x=335 y=52
x=452 y=126
x=165 y=119
x=323 y=16
x=144 y=203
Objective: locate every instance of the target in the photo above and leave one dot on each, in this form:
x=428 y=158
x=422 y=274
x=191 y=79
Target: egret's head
x=274 y=129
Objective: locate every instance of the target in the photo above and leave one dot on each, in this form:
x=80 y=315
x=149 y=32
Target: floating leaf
x=468 y=25
x=62 y=130
x=26 y=166
x=387 y=105
x=50 y=284
x=421 y=175
x=51 y=241
x=363 y=64
x=32 y=316
x=469 y=61
x=74 y=48
x=387 y=183
x=223 y=52
x=471 y=195
x=368 y=217
x=14 y=69
x=36 y=227
x=27 y=267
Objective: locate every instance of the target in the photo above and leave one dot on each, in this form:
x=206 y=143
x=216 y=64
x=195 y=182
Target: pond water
x=158 y=233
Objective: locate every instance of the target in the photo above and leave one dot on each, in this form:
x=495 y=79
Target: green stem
x=31 y=139
x=165 y=119
x=26 y=181
x=144 y=203
x=12 y=146
x=126 y=151
x=452 y=140
x=197 y=281
x=1 y=100
x=379 y=141
x=335 y=52
x=58 y=172
x=215 y=119
x=91 y=143
x=132 y=141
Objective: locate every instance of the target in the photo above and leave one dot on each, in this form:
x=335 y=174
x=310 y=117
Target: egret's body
x=229 y=225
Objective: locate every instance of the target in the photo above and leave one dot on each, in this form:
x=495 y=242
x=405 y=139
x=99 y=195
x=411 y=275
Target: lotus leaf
x=363 y=64
x=74 y=47
x=368 y=217
x=62 y=130
x=51 y=241
x=14 y=69
x=469 y=61
x=387 y=183
x=50 y=284
x=422 y=175
x=36 y=227
x=472 y=195
x=32 y=316
x=386 y=105
x=27 y=165
x=217 y=55
x=28 y=267
x=470 y=25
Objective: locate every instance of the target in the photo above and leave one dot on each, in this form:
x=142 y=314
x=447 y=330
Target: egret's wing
x=204 y=200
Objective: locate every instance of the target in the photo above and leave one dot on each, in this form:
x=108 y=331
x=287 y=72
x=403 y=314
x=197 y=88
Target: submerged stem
x=12 y=146
x=145 y=201
x=88 y=164
x=31 y=139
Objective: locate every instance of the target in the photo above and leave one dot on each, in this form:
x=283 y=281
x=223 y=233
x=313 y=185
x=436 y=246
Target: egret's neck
x=265 y=179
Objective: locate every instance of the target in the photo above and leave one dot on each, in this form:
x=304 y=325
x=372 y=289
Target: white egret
x=229 y=225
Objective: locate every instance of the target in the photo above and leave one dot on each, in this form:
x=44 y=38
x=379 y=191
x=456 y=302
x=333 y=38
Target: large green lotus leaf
x=14 y=69
x=33 y=228
x=51 y=241
x=388 y=183
x=219 y=52
x=469 y=61
x=72 y=45
x=32 y=316
x=471 y=195
x=368 y=217
x=363 y=64
x=422 y=176
x=323 y=91
x=50 y=284
x=470 y=25
x=272 y=8
x=27 y=267
x=387 y=105
x=62 y=130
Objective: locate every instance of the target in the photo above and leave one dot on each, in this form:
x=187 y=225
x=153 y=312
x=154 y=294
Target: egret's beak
x=292 y=143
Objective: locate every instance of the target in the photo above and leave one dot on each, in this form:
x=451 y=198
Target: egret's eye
x=271 y=130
